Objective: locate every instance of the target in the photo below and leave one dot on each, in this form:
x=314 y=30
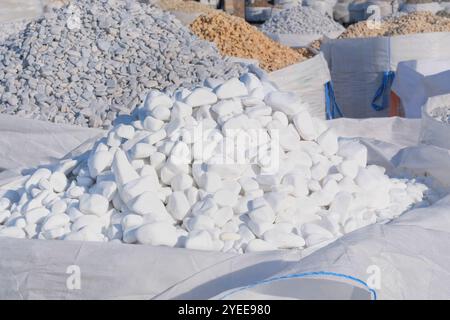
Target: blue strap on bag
x=388 y=78
x=331 y=107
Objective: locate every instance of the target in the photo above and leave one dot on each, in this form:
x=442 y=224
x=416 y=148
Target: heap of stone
x=301 y=20
x=416 y=22
x=89 y=61
x=233 y=166
x=235 y=37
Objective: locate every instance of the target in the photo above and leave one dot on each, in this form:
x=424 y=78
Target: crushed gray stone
x=82 y=63
x=300 y=20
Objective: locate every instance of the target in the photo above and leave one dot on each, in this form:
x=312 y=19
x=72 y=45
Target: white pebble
x=199 y=240
x=93 y=204
x=200 y=97
x=230 y=89
x=58 y=181
x=157 y=234
x=225 y=197
x=178 y=205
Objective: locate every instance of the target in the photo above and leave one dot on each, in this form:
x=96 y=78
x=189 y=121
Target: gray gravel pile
x=300 y=20
x=11 y=28
x=441 y=114
x=90 y=61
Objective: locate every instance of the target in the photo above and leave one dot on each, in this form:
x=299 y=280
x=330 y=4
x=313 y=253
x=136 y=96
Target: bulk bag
x=417 y=80
x=363 y=69
x=311 y=80
x=433 y=131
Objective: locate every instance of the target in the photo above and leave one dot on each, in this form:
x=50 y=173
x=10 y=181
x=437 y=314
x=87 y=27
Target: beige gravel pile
x=235 y=37
x=417 y=22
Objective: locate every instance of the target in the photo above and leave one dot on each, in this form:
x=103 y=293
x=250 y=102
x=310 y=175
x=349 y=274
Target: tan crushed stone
x=235 y=37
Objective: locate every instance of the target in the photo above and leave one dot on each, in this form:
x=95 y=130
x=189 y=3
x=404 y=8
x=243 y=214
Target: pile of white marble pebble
x=92 y=60
x=301 y=20
x=169 y=177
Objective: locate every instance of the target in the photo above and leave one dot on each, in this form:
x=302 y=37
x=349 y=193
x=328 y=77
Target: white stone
x=200 y=97
x=131 y=221
x=59 y=206
x=289 y=138
x=157 y=234
x=178 y=205
x=141 y=151
x=230 y=89
x=136 y=187
x=226 y=107
x=225 y=197
x=213 y=83
x=36 y=215
x=349 y=168
x=222 y=216
x=319 y=171
x=125 y=131
x=13 y=232
x=181 y=110
x=287 y=102
x=161 y=113
x=298 y=182
x=156 y=136
x=74 y=213
x=192 y=195
x=248 y=184
x=154 y=100
x=93 y=204
x=305 y=125
x=55 y=221
x=4 y=215
x=258 y=93
x=91 y=222
x=199 y=240
x=200 y=222
x=251 y=81
x=283 y=240
x=147 y=203
x=33 y=181
x=329 y=142
x=58 y=181
x=123 y=170
x=85 y=182
x=44 y=184
x=229 y=236
x=210 y=182
x=167 y=174
x=259 y=227
x=181 y=182
x=367 y=180
x=98 y=162
x=281 y=117
x=351 y=149
x=157 y=160
x=152 y=124
x=5 y=203
x=107 y=189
